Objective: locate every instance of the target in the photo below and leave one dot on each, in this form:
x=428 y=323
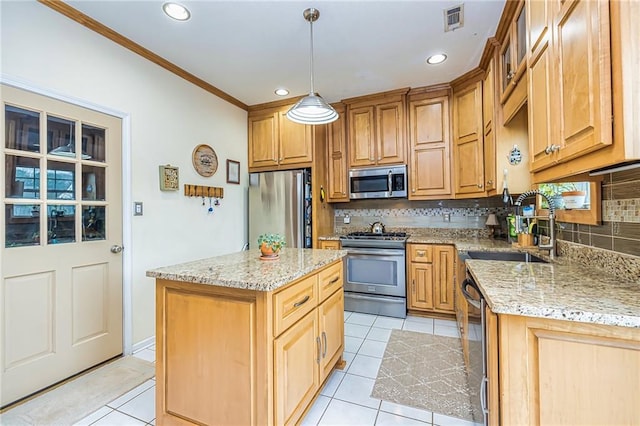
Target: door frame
x=127 y=268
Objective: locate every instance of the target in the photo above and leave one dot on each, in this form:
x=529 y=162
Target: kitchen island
x=240 y=340
x=563 y=343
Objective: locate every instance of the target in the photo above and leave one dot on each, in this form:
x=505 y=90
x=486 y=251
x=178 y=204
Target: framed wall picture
x=233 y=171
x=169 y=178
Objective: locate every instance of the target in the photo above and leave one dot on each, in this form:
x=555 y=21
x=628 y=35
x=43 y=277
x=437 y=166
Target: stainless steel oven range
x=375 y=281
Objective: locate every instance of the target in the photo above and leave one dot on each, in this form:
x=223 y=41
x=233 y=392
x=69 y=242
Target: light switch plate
x=137 y=208
x=346 y=219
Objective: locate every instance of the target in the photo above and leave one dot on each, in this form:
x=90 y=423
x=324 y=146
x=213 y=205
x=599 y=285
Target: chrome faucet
x=551 y=246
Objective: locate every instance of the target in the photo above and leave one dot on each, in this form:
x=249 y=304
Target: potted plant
x=270 y=245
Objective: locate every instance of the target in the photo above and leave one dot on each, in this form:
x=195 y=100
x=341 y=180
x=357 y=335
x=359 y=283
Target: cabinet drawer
x=421 y=253
x=329 y=280
x=294 y=302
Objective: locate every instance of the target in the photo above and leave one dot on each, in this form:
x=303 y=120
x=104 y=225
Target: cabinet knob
x=413 y=190
x=379 y=158
x=421 y=253
x=489 y=182
x=280 y=159
x=344 y=193
x=480 y=185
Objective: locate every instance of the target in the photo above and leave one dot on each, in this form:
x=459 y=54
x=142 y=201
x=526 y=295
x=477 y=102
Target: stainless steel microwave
x=378 y=182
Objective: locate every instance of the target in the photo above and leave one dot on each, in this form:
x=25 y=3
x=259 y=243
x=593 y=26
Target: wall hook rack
x=203 y=191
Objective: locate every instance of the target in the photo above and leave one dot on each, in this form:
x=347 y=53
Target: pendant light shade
x=312 y=109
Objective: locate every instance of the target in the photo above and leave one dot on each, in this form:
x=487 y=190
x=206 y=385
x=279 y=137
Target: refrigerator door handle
x=300 y=208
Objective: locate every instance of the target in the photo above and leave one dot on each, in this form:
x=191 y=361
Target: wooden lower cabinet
x=431 y=278
x=233 y=356
x=296 y=362
x=329 y=244
x=556 y=372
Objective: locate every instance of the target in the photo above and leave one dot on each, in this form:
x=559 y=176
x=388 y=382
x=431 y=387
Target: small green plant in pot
x=270 y=244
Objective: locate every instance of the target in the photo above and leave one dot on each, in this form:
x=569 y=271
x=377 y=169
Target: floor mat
x=427 y=372
x=72 y=401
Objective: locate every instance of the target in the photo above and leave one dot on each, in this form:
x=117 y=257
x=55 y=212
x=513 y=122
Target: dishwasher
x=477 y=368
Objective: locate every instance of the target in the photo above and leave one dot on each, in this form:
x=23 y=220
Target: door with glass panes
x=61 y=295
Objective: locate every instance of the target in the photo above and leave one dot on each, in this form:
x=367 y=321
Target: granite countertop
x=245 y=269
x=557 y=291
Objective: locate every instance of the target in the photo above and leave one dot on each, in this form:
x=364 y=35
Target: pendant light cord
x=311 y=55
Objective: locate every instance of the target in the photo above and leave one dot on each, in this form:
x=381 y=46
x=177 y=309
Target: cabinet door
x=331 y=314
x=430 y=148
x=421 y=290
x=296 y=142
x=263 y=140
x=540 y=120
x=337 y=159
x=443 y=264
x=493 y=386
x=390 y=133
x=538 y=20
x=329 y=245
x=582 y=48
x=488 y=95
x=361 y=136
x=468 y=143
x=296 y=369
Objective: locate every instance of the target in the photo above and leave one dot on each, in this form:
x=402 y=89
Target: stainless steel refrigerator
x=280 y=203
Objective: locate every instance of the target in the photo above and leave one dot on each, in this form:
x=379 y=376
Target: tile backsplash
x=400 y=214
x=619 y=231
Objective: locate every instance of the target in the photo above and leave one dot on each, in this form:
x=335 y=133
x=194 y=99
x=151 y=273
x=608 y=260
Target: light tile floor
x=344 y=400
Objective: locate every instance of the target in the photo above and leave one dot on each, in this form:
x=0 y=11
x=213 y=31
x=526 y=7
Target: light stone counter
x=245 y=269
x=557 y=291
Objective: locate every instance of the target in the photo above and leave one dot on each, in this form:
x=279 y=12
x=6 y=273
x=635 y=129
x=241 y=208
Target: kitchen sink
x=513 y=256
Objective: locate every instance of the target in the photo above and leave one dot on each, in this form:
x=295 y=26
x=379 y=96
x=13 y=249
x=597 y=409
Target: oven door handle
x=375 y=252
x=469 y=283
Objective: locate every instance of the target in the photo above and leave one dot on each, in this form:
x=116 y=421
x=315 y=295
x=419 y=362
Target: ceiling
x=247 y=49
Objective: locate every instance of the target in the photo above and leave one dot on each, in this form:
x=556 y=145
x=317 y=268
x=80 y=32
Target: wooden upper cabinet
x=296 y=142
x=570 y=84
x=390 y=132
x=538 y=15
x=338 y=190
x=377 y=129
x=468 y=141
x=582 y=49
x=429 y=147
x=263 y=140
x=513 y=53
x=488 y=119
x=276 y=141
x=362 y=148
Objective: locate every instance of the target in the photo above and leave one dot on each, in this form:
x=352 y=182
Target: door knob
x=116 y=249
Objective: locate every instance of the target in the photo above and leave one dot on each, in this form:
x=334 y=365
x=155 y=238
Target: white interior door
x=61 y=295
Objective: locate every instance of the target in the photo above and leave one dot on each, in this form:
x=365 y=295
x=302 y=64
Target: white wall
x=169 y=117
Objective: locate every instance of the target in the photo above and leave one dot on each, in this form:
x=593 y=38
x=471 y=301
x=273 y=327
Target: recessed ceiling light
x=282 y=92
x=176 y=11
x=436 y=59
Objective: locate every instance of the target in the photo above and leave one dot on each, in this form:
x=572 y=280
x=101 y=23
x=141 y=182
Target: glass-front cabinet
x=55 y=179
x=513 y=53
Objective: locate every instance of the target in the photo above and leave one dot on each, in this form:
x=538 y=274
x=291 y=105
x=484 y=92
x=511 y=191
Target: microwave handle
x=390 y=181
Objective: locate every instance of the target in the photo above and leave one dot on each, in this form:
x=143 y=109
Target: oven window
x=369 y=184
x=372 y=271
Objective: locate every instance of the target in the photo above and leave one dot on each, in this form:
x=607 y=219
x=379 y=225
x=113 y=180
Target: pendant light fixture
x=312 y=109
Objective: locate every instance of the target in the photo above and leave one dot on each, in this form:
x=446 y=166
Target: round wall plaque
x=205 y=160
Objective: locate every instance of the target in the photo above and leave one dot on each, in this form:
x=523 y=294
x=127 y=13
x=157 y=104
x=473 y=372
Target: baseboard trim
x=144 y=343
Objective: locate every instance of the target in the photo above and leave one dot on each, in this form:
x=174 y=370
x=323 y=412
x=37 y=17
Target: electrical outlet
x=346 y=219
x=446 y=217
x=137 y=208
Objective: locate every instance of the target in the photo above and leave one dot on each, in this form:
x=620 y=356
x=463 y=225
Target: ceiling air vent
x=454 y=18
